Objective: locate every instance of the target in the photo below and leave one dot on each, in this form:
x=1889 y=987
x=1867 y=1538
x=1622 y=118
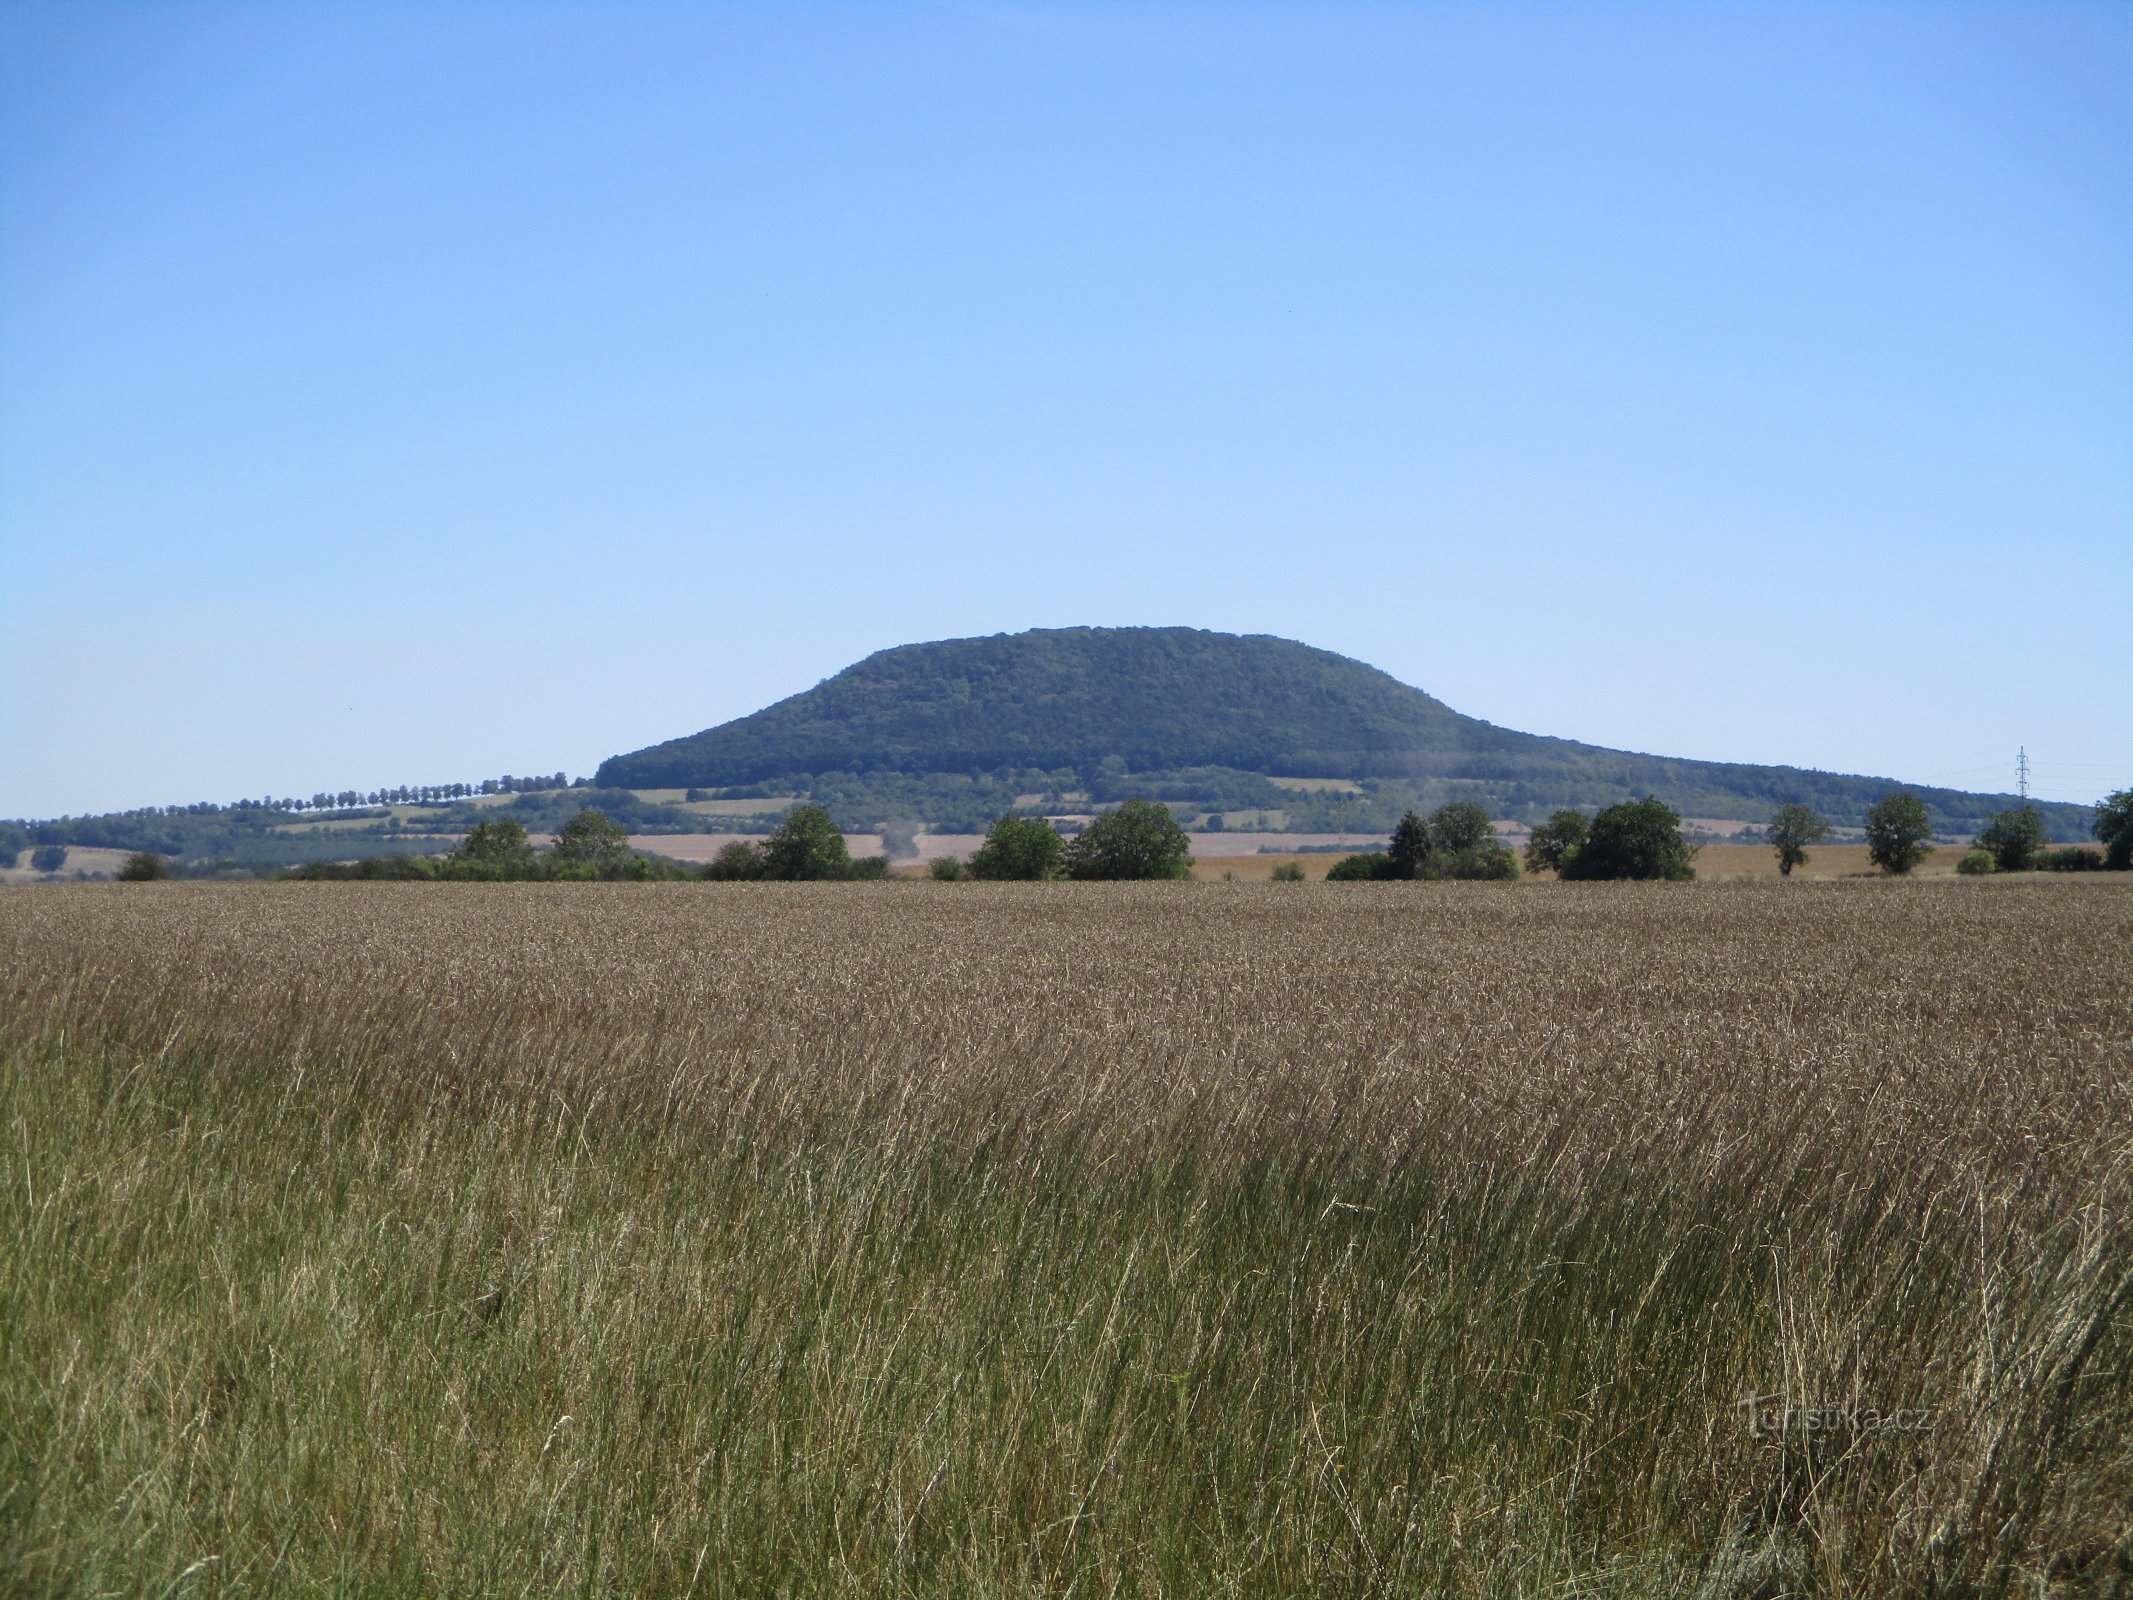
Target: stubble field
x=982 y=1239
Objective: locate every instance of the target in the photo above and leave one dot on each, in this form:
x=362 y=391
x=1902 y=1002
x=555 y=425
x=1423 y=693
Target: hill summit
x=1054 y=705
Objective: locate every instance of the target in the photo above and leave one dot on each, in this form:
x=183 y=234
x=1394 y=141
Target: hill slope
x=1091 y=701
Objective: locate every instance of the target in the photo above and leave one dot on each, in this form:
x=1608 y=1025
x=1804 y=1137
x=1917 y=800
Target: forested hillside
x=1094 y=709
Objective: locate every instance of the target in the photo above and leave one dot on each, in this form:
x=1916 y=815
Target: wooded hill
x=1208 y=718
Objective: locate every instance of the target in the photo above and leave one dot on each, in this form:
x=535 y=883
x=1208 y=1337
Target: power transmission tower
x=2022 y=772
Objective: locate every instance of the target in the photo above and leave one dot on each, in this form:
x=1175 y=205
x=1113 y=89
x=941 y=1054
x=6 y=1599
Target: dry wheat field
x=965 y=1239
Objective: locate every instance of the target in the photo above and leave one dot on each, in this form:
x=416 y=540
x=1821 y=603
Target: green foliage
x=48 y=858
x=1287 y=872
x=946 y=869
x=2114 y=828
x=1636 y=839
x=2070 y=858
x=1793 y=828
x=806 y=847
x=1371 y=864
x=143 y=866
x=1460 y=828
x=1138 y=840
x=870 y=869
x=593 y=845
x=1975 y=863
x=1899 y=834
x=1554 y=840
x=1019 y=848
x=1412 y=843
x=2012 y=837
x=496 y=848
x=738 y=862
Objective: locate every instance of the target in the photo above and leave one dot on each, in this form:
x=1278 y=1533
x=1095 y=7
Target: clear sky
x=411 y=393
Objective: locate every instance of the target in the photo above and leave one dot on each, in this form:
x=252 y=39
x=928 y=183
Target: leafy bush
x=1975 y=863
x=806 y=847
x=2013 y=837
x=1018 y=848
x=1899 y=835
x=868 y=868
x=946 y=869
x=594 y=845
x=48 y=857
x=738 y=862
x=2071 y=858
x=143 y=866
x=1552 y=841
x=2113 y=827
x=496 y=848
x=1138 y=840
x=1635 y=839
x=1360 y=868
x=1288 y=872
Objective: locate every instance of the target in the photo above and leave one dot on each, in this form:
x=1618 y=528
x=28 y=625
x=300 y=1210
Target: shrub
x=1635 y=839
x=867 y=868
x=2113 y=827
x=1489 y=862
x=2013 y=837
x=1975 y=863
x=1138 y=840
x=738 y=862
x=946 y=869
x=1792 y=829
x=1552 y=841
x=1018 y=848
x=1360 y=868
x=1898 y=833
x=143 y=866
x=494 y=848
x=1288 y=872
x=594 y=845
x=48 y=857
x=2070 y=858
x=806 y=847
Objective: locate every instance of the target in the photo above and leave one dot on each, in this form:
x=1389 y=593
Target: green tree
x=1460 y=828
x=1412 y=842
x=2013 y=838
x=1792 y=829
x=143 y=866
x=1899 y=834
x=48 y=857
x=2113 y=828
x=1553 y=842
x=1635 y=839
x=1140 y=839
x=495 y=847
x=946 y=869
x=738 y=862
x=1026 y=848
x=593 y=845
x=806 y=846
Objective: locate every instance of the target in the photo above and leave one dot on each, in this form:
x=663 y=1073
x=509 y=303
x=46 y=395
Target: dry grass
x=994 y=1239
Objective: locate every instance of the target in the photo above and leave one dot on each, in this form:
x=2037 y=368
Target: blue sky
x=415 y=393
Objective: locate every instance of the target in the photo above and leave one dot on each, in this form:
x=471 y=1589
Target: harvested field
x=939 y=1239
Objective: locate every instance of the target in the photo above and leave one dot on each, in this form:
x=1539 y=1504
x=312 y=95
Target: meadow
x=1721 y=1239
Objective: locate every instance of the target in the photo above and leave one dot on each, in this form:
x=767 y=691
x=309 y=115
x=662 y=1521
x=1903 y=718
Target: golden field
x=1721 y=1239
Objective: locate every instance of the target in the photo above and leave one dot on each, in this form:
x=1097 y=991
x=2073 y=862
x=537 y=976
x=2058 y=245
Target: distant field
x=80 y=858
x=1715 y=1240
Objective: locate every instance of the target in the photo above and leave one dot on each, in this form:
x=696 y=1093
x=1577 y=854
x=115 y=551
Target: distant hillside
x=1054 y=708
